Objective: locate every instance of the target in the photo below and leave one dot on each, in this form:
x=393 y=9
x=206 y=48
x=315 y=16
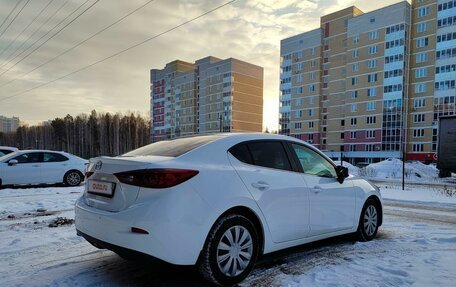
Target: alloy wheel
x=370 y=220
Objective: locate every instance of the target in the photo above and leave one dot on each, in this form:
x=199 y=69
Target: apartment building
x=369 y=86
x=208 y=96
x=9 y=124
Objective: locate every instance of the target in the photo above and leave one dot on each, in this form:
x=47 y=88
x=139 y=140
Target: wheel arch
x=252 y=216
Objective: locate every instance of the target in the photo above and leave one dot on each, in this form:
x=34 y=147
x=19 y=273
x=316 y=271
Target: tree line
x=85 y=135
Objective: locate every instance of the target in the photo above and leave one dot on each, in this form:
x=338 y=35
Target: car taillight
x=88 y=174
x=156 y=178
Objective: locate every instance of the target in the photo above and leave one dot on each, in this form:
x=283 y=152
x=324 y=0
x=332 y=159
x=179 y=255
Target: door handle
x=317 y=189
x=261 y=185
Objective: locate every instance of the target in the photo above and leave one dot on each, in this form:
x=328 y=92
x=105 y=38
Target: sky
x=248 y=30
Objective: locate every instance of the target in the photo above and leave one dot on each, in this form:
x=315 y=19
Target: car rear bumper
x=171 y=239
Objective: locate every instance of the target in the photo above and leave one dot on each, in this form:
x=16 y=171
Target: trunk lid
x=123 y=195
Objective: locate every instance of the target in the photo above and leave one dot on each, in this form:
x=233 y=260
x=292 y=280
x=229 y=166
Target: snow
x=416 y=246
x=419 y=193
x=351 y=168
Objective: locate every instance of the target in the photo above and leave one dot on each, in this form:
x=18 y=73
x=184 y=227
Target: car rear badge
x=98 y=165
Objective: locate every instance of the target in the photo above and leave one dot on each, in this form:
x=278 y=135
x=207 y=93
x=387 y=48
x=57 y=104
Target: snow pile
x=392 y=169
x=351 y=168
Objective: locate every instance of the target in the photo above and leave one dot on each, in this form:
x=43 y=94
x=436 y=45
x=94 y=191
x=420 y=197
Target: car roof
x=42 y=150
x=8 y=147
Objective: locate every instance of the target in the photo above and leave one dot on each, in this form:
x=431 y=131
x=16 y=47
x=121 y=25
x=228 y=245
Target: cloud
x=248 y=30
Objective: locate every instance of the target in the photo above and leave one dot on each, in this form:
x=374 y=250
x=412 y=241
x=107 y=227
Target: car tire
x=72 y=178
x=224 y=259
x=368 y=221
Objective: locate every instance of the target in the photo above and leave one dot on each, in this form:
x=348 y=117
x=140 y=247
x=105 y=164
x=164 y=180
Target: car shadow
x=144 y=272
x=25 y=186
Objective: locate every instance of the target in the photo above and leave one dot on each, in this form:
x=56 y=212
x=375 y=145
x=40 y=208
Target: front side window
x=312 y=162
x=32 y=157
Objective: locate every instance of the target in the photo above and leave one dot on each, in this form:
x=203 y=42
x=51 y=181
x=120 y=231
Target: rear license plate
x=103 y=188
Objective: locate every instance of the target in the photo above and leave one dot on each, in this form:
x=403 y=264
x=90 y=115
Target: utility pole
x=220 y=123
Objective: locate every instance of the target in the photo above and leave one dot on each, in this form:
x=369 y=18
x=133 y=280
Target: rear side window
x=241 y=152
x=263 y=153
x=53 y=157
x=172 y=148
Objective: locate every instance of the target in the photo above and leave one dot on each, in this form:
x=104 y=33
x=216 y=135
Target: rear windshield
x=173 y=148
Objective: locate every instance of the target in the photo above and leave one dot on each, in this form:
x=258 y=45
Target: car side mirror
x=342 y=173
x=12 y=162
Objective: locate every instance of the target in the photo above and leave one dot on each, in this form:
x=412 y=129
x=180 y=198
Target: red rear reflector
x=156 y=178
x=139 y=230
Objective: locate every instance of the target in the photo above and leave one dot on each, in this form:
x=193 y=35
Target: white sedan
x=41 y=167
x=6 y=150
x=221 y=201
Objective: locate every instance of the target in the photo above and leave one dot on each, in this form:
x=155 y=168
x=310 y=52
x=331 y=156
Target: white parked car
x=6 y=150
x=221 y=201
x=41 y=167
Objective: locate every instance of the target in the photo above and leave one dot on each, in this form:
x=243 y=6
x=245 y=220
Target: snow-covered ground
x=416 y=246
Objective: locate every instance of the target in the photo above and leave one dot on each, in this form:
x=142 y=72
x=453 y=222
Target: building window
x=418 y=133
x=418 y=118
x=298 y=78
x=371 y=92
x=298 y=90
x=373 y=35
x=372 y=19
x=422 y=27
x=298 y=102
x=370 y=134
x=370 y=106
x=372 y=78
x=355 y=67
x=356 y=39
x=420 y=88
x=446 y=37
x=298 y=113
x=297 y=125
x=419 y=103
x=342 y=123
x=354 y=80
x=423 y=11
x=372 y=64
x=311 y=112
x=311 y=125
x=445 y=85
x=353 y=121
x=421 y=73
x=312 y=88
x=421 y=57
x=418 y=147
x=371 y=120
x=353 y=108
x=445 y=69
x=353 y=135
x=422 y=42
x=355 y=53
x=354 y=94
x=372 y=49
x=311 y=100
